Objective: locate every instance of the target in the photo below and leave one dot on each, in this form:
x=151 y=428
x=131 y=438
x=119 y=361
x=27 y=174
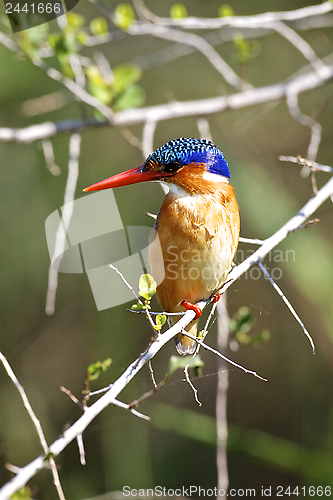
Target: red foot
x=216 y=298
x=192 y=307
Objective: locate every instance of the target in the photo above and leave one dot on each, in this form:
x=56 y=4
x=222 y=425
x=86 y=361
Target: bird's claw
x=192 y=307
x=216 y=298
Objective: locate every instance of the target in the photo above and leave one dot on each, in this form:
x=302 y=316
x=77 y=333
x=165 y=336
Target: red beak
x=132 y=176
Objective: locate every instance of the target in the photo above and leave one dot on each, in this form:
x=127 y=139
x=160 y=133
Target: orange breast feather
x=198 y=235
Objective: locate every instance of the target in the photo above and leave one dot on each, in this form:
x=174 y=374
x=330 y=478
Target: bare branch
x=292 y=101
x=148 y=137
x=251 y=241
x=295 y=85
x=189 y=381
x=211 y=349
x=132 y=410
x=82 y=452
x=151 y=371
x=73 y=173
x=195 y=41
x=301 y=45
x=26 y=402
x=76 y=89
x=36 y=422
x=304 y=213
x=129 y=286
x=248 y=21
x=288 y=304
x=49 y=157
x=317 y=167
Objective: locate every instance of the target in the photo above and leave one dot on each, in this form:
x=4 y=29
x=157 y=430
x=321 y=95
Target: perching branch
x=24 y=474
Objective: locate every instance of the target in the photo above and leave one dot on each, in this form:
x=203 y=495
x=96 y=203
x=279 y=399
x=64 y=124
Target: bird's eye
x=172 y=167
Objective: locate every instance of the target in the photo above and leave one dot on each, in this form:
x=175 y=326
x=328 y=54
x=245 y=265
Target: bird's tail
x=186 y=345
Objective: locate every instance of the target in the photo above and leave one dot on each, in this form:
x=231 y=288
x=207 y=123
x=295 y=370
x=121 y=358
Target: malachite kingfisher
x=197 y=225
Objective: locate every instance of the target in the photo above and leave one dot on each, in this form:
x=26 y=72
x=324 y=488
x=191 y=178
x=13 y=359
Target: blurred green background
x=281 y=432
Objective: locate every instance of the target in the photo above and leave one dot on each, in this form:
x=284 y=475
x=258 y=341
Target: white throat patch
x=209 y=176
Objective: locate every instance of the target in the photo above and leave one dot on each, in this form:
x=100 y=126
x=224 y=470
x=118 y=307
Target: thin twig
x=313 y=165
x=155 y=313
x=99 y=391
x=36 y=422
x=196 y=41
x=194 y=389
x=71 y=396
x=82 y=452
x=315 y=127
x=251 y=241
x=76 y=89
x=205 y=330
x=211 y=349
x=129 y=286
x=26 y=402
x=67 y=212
x=305 y=225
x=288 y=304
x=148 y=137
x=151 y=371
x=49 y=157
x=147 y=394
x=301 y=45
x=204 y=129
x=129 y=407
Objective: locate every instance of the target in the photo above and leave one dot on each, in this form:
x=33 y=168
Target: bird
x=197 y=226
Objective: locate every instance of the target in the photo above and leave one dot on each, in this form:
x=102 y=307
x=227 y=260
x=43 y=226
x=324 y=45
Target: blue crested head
x=183 y=151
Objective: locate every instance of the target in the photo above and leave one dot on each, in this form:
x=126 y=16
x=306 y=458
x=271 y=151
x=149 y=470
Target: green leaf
x=63 y=44
x=132 y=97
x=160 y=320
x=246 y=50
x=177 y=363
x=23 y=493
x=102 y=93
x=178 y=11
x=240 y=326
x=98 y=26
x=75 y=20
x=95 y=369
x=137 y=307
x=242 y=320
x=125 y=75
x=98 y=87
x=225 y=11
x=124 y=15
x=147 y=286
x=95 y=76
x=82 y=37
x=38 y=33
